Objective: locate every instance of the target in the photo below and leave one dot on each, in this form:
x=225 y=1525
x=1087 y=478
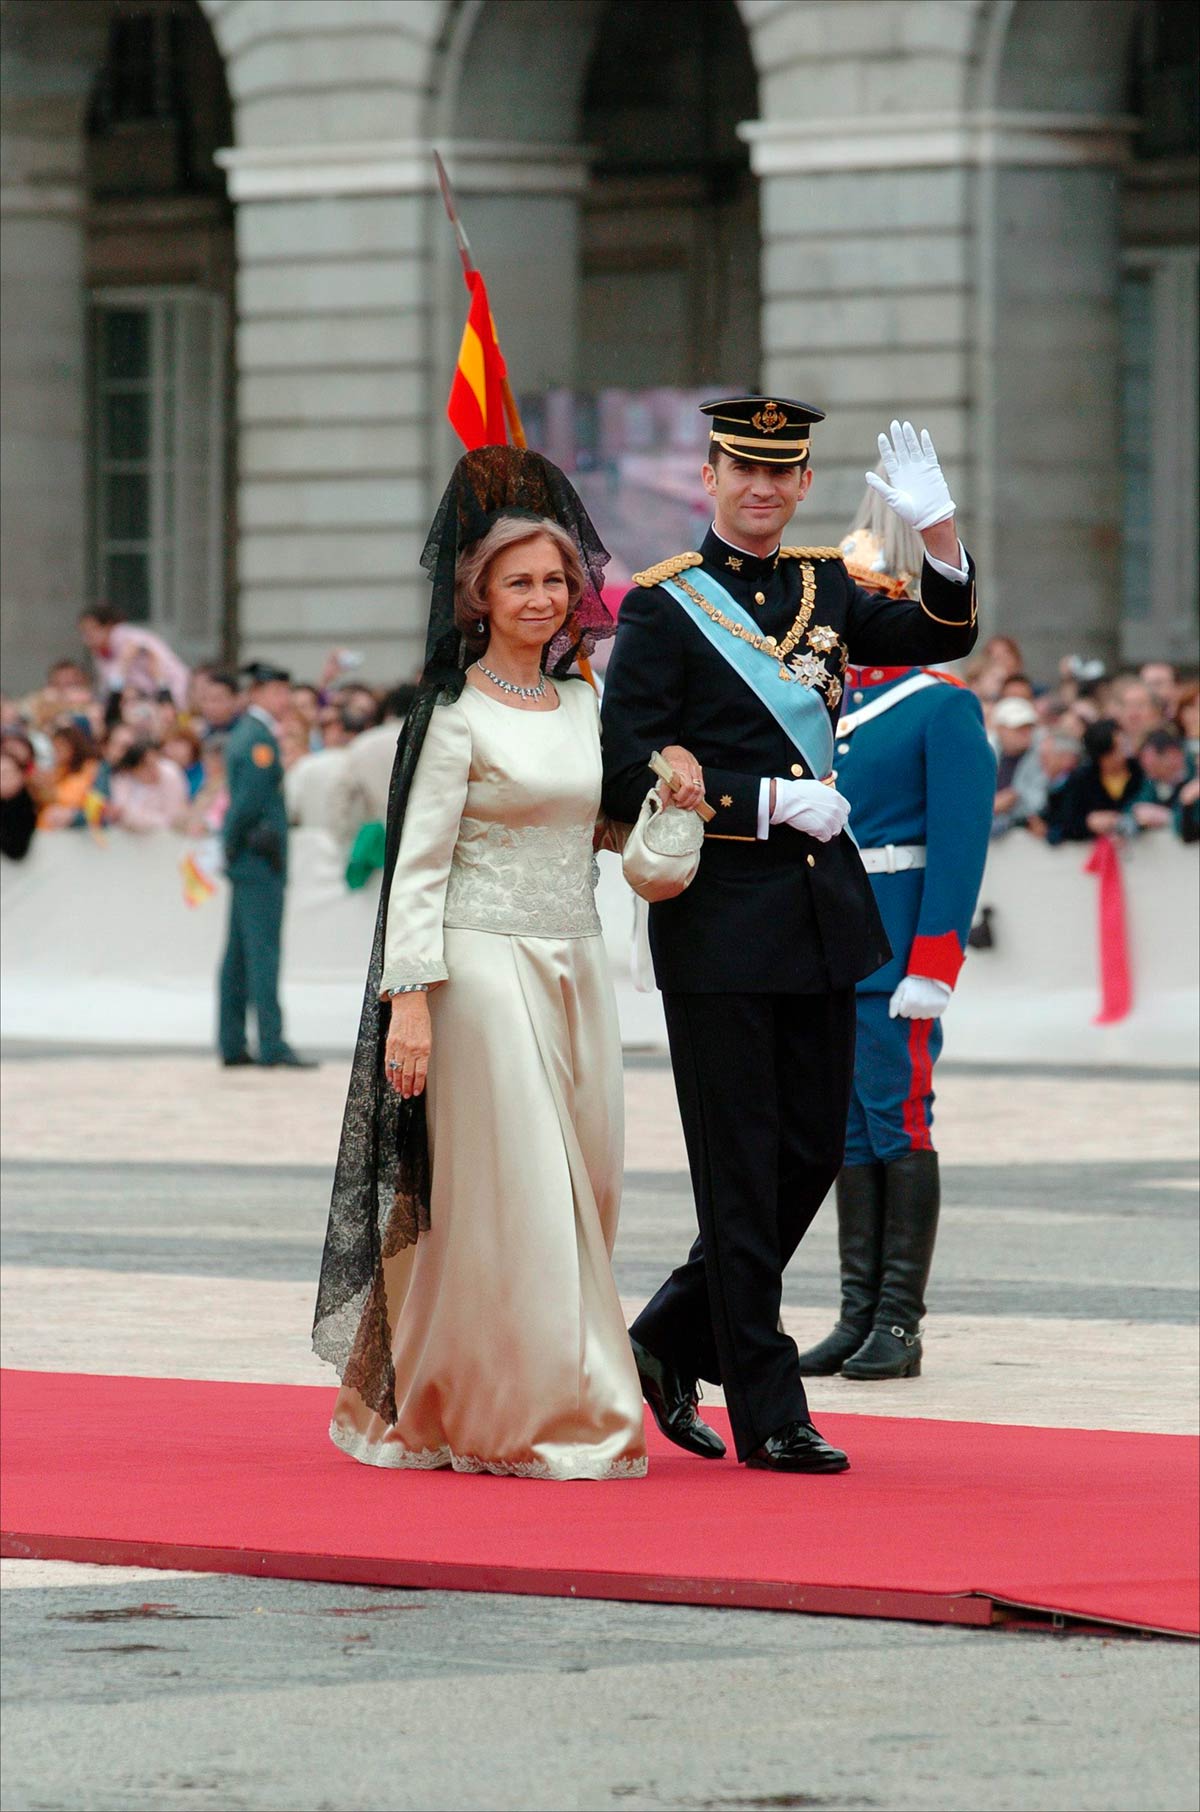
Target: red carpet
x=937 y=1521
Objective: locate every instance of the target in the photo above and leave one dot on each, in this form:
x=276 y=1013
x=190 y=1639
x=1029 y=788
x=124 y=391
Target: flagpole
x=511 y=413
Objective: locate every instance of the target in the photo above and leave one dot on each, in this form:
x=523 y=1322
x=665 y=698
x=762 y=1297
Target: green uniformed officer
x=255 y=837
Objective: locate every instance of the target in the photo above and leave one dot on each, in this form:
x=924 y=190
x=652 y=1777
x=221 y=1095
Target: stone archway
x=608 y=197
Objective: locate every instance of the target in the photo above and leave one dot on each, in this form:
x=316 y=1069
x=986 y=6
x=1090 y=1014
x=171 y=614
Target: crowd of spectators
x=128 y=735
x=1095 y=754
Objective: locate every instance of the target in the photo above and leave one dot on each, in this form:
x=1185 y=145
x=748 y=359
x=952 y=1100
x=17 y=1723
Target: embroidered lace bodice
x=498 y=832
x=529 y=880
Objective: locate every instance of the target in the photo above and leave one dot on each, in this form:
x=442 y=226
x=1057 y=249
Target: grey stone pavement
x=160 y=1216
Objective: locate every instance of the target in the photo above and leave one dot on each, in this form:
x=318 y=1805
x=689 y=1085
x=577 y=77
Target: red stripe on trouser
x=920 y=1083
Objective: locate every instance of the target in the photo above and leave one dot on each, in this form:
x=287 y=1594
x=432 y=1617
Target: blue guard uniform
x=913 y=758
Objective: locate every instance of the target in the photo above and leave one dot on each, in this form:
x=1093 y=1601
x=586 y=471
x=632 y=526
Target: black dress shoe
x=797 y=1447
x=237 y=1063
x=673 y=1401
x=289 y=1060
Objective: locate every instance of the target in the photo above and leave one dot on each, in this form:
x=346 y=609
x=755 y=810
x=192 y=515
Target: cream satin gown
x=509 y=1344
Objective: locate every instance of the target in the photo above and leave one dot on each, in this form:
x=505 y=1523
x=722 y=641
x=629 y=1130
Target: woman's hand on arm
x=409 y=1042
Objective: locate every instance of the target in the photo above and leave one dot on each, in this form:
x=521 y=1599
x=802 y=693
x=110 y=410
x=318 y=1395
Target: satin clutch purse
x=662 y=851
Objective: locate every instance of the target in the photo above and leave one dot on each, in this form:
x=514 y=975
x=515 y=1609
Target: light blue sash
x=799 y=710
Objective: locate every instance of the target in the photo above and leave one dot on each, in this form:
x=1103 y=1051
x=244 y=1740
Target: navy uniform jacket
x=786 y=914
x=255 y=829
x=922 y=771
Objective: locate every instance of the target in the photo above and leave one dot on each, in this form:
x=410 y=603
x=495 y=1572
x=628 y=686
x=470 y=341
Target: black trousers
x=763 y=1082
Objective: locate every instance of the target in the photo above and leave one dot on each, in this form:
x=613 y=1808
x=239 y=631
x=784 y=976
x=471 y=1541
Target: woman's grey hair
x=471 y=571
x=902 y=548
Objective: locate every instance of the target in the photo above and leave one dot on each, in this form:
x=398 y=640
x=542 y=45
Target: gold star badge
x=734 y=564
x=822 y=638
x=726 y=800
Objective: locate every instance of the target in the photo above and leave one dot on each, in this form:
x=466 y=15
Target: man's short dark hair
x=1163 y=741
x=1100 y=738
x=227 y=681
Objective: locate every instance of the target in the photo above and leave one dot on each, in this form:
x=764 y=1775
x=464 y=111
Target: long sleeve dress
x=508 y=1340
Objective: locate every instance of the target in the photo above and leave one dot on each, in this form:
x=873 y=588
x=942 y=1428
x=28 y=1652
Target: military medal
x=809 y=669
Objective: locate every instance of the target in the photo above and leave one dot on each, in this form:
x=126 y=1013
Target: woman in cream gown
x=508 y=1342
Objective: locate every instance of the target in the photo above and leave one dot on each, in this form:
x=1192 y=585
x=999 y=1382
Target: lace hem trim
x=433 y=1459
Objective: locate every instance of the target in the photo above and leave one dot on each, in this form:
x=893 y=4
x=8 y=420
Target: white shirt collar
x=263 y=717
x=724 y=540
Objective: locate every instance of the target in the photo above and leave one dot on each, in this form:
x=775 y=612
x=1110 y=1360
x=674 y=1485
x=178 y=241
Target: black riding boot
x=913 y=1195
x=860 y=1209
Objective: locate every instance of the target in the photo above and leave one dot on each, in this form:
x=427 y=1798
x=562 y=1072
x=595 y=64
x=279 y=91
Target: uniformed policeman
x=731 y=661
x=255 y=838
x=914 y=760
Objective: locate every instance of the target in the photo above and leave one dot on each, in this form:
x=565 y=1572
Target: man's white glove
x=914 y=486
x=919 y=997
x=810 y=806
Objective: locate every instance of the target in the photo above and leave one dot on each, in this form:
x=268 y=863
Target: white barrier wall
x=97 y=946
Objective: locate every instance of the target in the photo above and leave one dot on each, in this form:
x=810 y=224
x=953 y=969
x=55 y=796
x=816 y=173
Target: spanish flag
x=197 y=886
x=476 y=406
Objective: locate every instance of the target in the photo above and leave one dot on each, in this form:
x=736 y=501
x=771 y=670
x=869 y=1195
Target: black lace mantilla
x=380 y=1201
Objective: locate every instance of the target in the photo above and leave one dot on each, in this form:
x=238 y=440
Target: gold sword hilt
x=667 y=774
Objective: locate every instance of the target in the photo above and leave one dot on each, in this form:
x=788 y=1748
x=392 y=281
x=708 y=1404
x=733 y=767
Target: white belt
x=893 y=858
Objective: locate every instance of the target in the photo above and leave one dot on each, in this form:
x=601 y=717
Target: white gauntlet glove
x=919 y=997
x=914 y=486
x=810 y=806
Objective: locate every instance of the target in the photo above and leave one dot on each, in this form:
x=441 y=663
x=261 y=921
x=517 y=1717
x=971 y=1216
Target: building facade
x=231 y=301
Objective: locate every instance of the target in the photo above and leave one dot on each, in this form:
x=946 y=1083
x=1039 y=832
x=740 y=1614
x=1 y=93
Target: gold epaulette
x=667 y=569
x=810 y=553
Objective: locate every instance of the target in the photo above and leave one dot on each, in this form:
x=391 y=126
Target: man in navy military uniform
x=730 y=661
x=914 y=760
x=255 y=837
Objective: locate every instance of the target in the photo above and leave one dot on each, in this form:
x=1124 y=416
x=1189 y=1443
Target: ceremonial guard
x=914 y=760
x=731 y=662
x=255 y=838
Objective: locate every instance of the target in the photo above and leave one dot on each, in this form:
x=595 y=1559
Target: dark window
x=1163 y=80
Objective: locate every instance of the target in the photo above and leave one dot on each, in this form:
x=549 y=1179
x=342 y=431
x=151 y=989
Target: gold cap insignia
x=769 y=419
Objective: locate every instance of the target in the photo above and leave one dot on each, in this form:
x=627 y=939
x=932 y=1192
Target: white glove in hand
x=919 y=997
x=914 y=486
x=810 y=806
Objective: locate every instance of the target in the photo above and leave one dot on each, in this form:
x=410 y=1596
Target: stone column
x=49 y=61
x=350 y=310
x=961 y=269
x=867 y=278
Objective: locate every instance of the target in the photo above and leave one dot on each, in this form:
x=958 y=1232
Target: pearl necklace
x=538 y=691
